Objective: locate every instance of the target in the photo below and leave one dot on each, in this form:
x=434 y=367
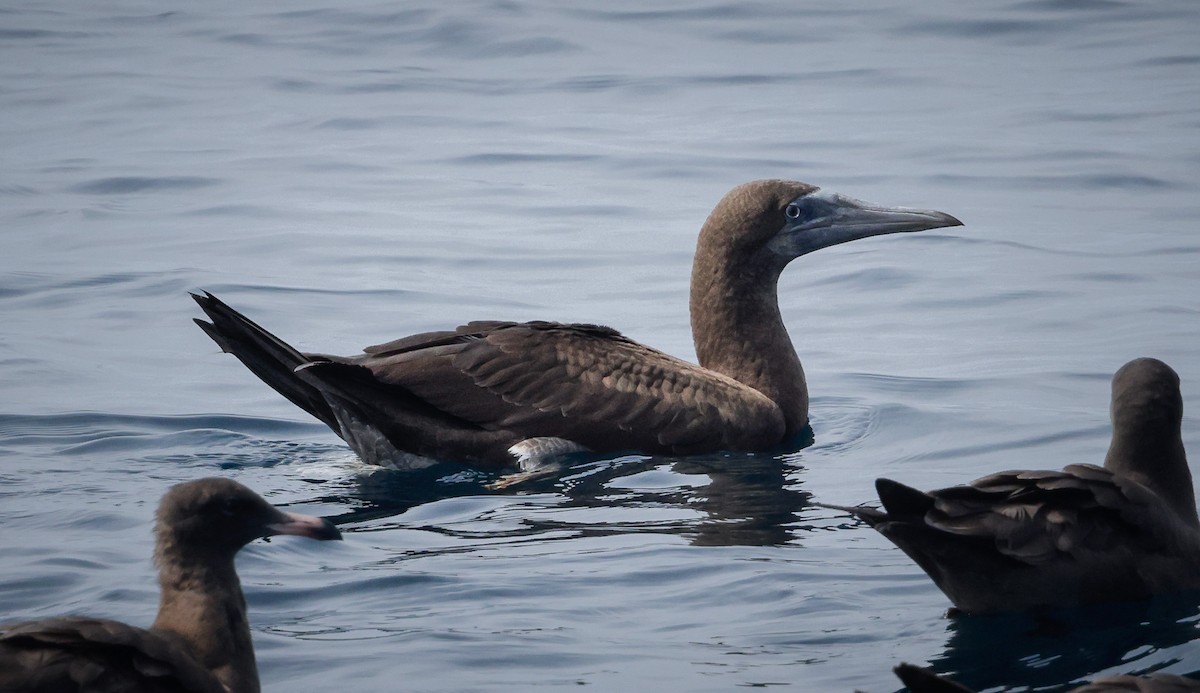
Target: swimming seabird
x=489 y=391
x=1027 y=539
x=200 y=641
x=921 y=680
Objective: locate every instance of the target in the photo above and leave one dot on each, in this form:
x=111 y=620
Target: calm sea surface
x=347 y=174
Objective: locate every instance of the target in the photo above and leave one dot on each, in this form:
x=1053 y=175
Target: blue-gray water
x=350 y=173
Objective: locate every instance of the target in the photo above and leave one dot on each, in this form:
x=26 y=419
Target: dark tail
x=269 y=357
x=902 y=502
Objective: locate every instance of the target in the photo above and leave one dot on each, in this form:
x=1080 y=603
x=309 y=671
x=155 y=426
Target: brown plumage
x=200 y=641
x=1025 y=539
x=919 y=680
x=473 y=393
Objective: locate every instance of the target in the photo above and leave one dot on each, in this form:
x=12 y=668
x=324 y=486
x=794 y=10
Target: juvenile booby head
x=820 y=219
x=480 y=392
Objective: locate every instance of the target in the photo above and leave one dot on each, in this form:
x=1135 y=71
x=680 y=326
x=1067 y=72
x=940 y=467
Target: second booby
x=1026 y=539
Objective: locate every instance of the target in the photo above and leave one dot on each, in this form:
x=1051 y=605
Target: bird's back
x=74 y=654
x=1024 y=539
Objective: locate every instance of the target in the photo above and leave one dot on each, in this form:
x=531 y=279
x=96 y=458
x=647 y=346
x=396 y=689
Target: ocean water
x=349 y=173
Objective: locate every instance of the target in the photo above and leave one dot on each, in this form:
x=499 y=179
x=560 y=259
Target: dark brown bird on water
x=1026 y=539
x=200 y=642
x=489 y=392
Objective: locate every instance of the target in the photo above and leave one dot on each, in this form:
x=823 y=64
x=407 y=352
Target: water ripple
x=124 y=185
x=89 y=427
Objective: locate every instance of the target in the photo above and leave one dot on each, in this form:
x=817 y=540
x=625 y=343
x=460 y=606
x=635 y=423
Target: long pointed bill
x=305 y=526
x=827 y=218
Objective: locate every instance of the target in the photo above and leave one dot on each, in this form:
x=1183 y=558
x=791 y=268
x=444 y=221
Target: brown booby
x=200 y=641
x=1027 y=539
x=488 y=392
x=921 y=680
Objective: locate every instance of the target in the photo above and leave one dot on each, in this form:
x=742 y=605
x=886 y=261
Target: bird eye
x=231 y=507
x=792 y=211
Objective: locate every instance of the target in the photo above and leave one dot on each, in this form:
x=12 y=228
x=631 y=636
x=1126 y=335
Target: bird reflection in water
x=1066 y=646
x=726 y=499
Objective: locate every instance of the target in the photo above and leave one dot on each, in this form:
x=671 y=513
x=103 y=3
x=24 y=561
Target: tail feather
x=902 y=501
x=371 y=411
x=273 y=360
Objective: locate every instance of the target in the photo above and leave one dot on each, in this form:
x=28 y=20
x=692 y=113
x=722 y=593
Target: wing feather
x=585 y=383
x=1038 y=517
x=73 y=653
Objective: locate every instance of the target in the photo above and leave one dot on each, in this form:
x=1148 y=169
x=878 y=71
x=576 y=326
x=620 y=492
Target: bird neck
x=1152 y=454
x=201 y=603
x=739 y=332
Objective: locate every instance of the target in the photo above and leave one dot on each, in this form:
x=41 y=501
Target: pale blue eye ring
x=792 y=211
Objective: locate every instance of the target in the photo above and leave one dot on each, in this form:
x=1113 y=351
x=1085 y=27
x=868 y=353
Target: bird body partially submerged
x=479 y=392
x=200 y=641
x=1026 y=539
